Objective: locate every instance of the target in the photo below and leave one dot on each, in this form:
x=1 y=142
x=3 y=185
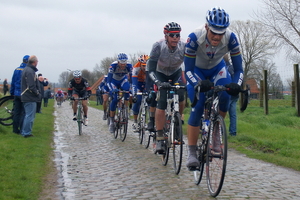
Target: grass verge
x=24 y=161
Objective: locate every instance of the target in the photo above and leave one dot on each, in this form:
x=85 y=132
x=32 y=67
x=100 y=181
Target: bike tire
x=124 y=124
x=140 y=122
x=177 y=142
x=79 y=120
x=216 y=165
x=6 y=110
x=108 y=113
x=165 y=156
x=201 y=153
x=146 y=133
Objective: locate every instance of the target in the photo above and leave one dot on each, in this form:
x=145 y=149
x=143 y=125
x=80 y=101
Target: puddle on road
x=61 y=160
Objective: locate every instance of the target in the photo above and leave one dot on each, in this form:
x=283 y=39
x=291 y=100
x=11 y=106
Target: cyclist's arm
x=190 y=59
x=109 y=77
x=236 y=59
x=152 y=61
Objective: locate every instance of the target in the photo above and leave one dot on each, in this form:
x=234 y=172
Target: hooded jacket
x=30 y=85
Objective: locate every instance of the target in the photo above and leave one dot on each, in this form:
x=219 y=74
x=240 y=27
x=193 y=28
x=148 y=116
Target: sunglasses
x=177 y=35
x=216 y=33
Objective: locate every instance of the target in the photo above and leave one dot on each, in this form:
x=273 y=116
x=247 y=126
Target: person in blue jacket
x=15 y=90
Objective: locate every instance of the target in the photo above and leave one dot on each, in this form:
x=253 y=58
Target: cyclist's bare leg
x=75 y=104
x=223 y=114
x=105 y=99
x=181 y=107
x=159 y=121
x=85 y=107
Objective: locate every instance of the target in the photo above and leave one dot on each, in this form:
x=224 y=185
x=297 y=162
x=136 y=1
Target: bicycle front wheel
x=177 y=142
x=123 y=124
x=79 y=120
x=216 y=157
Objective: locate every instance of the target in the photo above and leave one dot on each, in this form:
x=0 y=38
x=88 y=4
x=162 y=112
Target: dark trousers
x=38 y=107
x=18 y=114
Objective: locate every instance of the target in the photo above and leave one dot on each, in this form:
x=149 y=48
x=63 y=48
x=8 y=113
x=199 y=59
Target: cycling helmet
x=172 y=27
x=217 y=20
x=77 y=74
x=122 y=58
x=59 y=91
x=143 y=59
x=25 y=58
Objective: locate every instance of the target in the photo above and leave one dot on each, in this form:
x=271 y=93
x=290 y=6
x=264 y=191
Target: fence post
x=293 y=94
x=266 y=96
x=297 y=88
x=261 y=94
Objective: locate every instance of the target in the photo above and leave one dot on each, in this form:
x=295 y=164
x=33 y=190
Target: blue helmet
x=122 y=58
x=217 y=20
x=25 y=58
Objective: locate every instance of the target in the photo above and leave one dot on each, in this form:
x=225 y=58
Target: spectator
x=15 y=90
x=47 y=96
x=42 y=82
x=30 y=95
x=232 y=102
x=5 y=86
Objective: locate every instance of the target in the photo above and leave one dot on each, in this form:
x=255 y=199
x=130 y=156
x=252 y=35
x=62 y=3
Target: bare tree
x=64 y=78
x=254 y=43
x=281 y=20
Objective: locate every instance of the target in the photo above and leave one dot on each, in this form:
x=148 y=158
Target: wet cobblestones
x=97 y=166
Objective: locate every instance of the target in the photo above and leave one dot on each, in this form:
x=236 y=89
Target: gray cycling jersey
x=168 y=61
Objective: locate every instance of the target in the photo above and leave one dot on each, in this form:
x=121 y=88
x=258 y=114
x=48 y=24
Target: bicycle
x=6 y=110
x=59 y=101
x=144 y=138
x=173 y=129
x=80 y=118
x=121 y=121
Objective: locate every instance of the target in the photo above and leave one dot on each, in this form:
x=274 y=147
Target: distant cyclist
x=165 y=62
x=104 y=92
x=138 y=85
x=118 y=79
x=59 y=96
x=205 y=67
x=79 y=87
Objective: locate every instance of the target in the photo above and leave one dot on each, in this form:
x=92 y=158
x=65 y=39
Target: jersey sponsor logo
x=191 y=77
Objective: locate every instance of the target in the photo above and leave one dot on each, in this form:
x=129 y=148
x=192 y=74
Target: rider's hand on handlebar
x=134 y=98
x=205 y=85
x=233 y=89
x=165 y=85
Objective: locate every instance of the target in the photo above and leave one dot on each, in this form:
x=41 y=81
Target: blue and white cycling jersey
x=204 y=61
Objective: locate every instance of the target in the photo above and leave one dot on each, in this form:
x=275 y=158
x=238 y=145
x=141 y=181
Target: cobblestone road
x=97 y=166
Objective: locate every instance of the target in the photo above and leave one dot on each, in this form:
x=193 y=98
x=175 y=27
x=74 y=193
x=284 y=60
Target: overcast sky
x=78 y=34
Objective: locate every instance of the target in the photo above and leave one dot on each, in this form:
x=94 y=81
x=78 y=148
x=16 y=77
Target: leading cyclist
x=118 y=79
x=205 y=67
x=164 y=64
x=79 y=87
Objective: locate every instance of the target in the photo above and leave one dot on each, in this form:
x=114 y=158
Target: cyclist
x=104 y=91
x=138 y=85
x=59 y=96
x=205 y=67
x=164 y=64
x=79 y=87
x=118 y=79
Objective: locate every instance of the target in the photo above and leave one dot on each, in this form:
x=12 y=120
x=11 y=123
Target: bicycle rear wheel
x=6 y=110
x=123 y=123
x=216 y=159
x=177 y=142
